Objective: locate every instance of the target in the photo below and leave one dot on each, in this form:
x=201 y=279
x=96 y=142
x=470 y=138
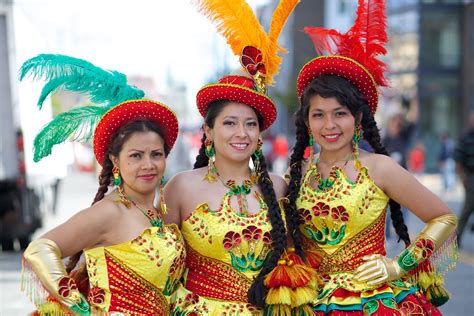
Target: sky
x=157 y=38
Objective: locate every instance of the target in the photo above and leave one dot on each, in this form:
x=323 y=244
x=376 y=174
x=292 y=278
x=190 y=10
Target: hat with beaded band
x=258 y=52
x=352 y=55
x=129 y=111
x=237 y=89
x=115 y=103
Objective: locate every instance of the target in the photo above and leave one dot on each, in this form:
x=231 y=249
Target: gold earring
x=211 y=155
x=117 y=177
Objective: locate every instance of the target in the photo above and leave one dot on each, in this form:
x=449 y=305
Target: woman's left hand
x=378 y=269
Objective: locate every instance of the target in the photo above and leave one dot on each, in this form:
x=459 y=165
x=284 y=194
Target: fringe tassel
x=31 y=285
x=292 y=285
x=313 y=258
x=444 y=259
x=45 y=303
x=429 y=275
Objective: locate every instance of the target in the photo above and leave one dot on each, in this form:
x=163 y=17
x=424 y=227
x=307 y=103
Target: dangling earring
x=163 y=207
x=211 y=154
x=311 y=146
x=258 y=153
x=117 y=177
x=355 y=144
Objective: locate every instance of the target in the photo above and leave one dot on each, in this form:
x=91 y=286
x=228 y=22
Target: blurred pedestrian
x=464 y=157
x=446 y=163
x=398 y=135
x=400 y=132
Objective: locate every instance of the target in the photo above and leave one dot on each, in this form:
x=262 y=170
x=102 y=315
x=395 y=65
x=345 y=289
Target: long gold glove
x=44 y=257
x=379 y=269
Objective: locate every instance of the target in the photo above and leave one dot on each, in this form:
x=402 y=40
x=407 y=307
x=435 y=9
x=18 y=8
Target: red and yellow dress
x=136 y=277
x=225 y=251
x=342 y=223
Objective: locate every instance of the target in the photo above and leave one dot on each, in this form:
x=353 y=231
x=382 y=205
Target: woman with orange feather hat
x=338 y=200
x=228 y=211
x=133 y=260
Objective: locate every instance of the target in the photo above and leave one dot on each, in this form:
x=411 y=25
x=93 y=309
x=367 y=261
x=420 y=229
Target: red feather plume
x=364 y=42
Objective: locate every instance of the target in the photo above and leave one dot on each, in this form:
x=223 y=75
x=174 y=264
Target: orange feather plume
x=236 y=21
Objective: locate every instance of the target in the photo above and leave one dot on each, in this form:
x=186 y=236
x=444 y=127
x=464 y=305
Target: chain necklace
x=152 y=214
x=239 y=191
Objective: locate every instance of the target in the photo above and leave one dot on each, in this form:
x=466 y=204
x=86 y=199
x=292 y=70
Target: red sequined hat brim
x=128 y=111
x=260 y=102
x=344 y=67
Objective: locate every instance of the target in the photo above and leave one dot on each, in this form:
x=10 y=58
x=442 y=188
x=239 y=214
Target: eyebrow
x=141 y=151
x=336 y=109
x=236 y=117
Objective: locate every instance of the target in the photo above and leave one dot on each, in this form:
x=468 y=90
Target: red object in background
x=416 y=160
x=280 y=146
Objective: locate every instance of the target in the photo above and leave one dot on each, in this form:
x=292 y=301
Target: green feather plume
x=103 y=87
x=77 y=125
x=73 y=74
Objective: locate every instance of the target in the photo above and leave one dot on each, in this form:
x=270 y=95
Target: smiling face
x=235 y=132
x=141 y=162
x=331 y=124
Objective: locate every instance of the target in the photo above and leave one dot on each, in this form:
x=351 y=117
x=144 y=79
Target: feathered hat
x=258 y=52
x=115 y=104
x=352 y=55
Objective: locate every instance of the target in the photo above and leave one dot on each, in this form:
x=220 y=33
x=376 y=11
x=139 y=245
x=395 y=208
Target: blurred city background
x=169 y=50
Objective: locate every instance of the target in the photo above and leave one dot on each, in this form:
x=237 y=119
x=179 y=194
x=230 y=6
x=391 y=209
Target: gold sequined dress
x=225 y=251
x=343 y=223
x=136 y=277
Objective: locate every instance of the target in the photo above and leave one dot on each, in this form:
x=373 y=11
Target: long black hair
x=106 y=180
x=348 y=95
x=257 y=291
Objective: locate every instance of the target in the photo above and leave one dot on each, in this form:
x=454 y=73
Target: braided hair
x=348 y=95
x=257 y=291
x=106 y=179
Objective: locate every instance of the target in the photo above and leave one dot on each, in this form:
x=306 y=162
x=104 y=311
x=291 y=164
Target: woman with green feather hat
x=132 y=259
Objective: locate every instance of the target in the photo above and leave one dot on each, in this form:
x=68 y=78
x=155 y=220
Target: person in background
x=446 y=163
x=133 y=260
x=399 y=133
x=464 y=157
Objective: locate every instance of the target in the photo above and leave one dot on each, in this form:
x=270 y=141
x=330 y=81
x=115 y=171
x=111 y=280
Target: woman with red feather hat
x=338 y=200
x=133 y=261
x=227 y=205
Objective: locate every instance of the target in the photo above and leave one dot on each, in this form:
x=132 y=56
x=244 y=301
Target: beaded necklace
x=152 y=214
x=240 y=191
x=324 y=184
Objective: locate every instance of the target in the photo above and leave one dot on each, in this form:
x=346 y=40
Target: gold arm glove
x=379 y=269
x=44 y=257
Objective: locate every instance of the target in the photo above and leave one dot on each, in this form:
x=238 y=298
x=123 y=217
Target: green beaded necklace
x=240 y=191
x=153 y=216
x=324 y=184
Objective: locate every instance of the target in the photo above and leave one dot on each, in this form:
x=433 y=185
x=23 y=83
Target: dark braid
x=372 y=135
x=296 y=161
x=201 y=159
x=105 y=180
x=258 y=291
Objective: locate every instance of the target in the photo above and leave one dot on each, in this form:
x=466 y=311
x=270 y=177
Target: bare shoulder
x=382 y=169
x=279 y=184
x=186 y=179
x=378 y=164
x=103 y=213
